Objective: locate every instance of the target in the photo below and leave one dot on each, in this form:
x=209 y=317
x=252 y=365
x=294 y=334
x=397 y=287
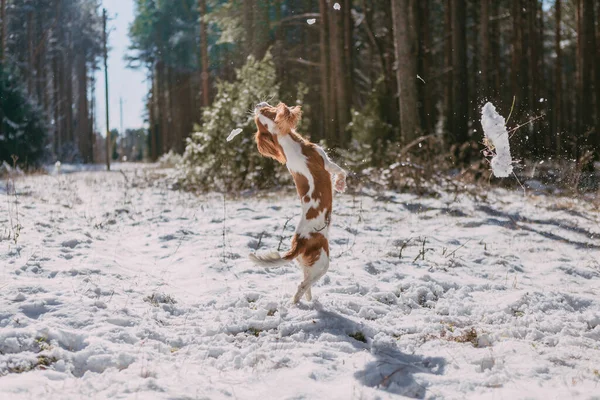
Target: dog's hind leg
x=308 y=294
x=312 y=273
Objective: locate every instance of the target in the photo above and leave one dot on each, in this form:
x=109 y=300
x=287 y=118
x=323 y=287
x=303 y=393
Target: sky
x=131 y=85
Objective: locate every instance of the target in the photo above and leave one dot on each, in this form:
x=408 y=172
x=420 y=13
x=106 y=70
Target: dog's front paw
x=340 y=184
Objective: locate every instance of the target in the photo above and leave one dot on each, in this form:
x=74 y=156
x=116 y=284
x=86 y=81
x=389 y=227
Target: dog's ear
x=288 y=117
x=296 y=112
x=282 y=111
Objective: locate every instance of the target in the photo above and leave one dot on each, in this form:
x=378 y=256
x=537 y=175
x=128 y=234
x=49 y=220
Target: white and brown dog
x=312 y=171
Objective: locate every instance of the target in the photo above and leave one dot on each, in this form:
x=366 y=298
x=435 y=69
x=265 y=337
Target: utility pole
x=108 y=139
x=121 y=112
x=122 y=132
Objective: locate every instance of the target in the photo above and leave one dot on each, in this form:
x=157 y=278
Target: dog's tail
x=273 y=259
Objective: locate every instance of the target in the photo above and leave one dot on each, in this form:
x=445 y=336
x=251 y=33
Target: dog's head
x=276 y=120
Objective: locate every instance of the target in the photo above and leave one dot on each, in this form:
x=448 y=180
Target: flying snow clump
x=494 y=128
x=311 y=21
x=233 y=134
x=337 y=6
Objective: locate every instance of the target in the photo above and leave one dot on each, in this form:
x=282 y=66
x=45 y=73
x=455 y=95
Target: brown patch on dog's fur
x=267 y=143
x=309 y=249
x=269 y=112
x=312 y=213
x=301 y=182
x=322 y=181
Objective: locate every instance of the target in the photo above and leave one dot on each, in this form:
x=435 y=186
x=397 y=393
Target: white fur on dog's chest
x=296 y=160
x=297 y=163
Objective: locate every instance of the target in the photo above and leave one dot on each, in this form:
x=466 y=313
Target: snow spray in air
x=233 y=134
x=494 y=128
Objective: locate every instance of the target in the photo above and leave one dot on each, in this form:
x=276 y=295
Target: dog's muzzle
x=261 y=105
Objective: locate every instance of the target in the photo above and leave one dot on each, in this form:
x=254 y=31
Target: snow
x=233 y=134
x=494 y=128
x=311 y=21
x=118 y=287
x=337 y=6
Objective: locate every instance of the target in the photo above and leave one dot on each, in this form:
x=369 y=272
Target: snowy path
x=119 y=288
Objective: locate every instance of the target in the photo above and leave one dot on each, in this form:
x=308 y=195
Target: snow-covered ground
x=117 y=287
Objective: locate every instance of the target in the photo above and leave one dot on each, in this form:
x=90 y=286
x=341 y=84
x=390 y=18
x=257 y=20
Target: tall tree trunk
x=588 y=36
x=596 y=55
x=2 y=49
x=579 y=125
x=558 y=81
x=261 y=29
x=425 y=97
x=339 y=76
x=3 y=31
x=204 y=76
x=152 y=131
x=30 y=54
x=484 y=53
x=406 y=44
x=39 y=54
x=84 y=134
x=58 y=126
x=517 y=51
x=494 y=66
x=170 y=129
x=160 y=108
x=68 y=74
x=328 y=127
x=472 y=13
x=448 y=73
x=534 y=49
x=248 y=21
x=535 y=70
x=92 y=114
x=333 y=76
x=460 y=76
x=348 y=46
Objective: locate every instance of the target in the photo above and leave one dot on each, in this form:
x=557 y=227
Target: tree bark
x=448 y=72
x=558 y=81
x=425 y=97
x=3 y=31
x=517 y=51
x=460 y=76
x=534 y=47
x=588 y=43
x=339 y=76
x=248 y=21
x=596 y=56
x=348 y=53
x=484 y=53
x=260 y=29
x=84 y=134
x=494 y=66
x=30 y=56
x=68 y=77
x=204 y=75
x=328 y=127
x=406 y=45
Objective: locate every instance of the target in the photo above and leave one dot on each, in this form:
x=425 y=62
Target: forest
x=437 y=238
x=374 y=77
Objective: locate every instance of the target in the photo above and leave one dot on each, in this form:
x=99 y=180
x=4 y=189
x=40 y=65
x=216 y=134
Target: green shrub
x=23 y=131
x=371 y=134
x=209 y=161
